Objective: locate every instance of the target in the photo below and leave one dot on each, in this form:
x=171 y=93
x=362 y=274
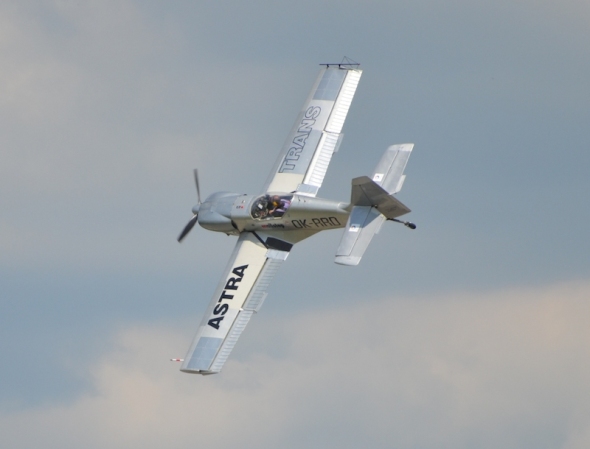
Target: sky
x=469 y=332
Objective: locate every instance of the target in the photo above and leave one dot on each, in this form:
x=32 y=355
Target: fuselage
x=233 y=213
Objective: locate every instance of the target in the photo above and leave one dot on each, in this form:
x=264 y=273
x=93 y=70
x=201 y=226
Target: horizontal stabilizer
x=366 y=192
x=364 y=222
x=389 y=172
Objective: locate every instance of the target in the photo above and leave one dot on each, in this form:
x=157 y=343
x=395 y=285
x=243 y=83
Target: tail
x=373 y=202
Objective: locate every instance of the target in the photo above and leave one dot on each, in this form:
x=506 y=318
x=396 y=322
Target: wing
x=240 y=293
x=316 y=135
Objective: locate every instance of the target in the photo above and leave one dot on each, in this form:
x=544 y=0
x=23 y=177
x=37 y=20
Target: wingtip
x=347 y=260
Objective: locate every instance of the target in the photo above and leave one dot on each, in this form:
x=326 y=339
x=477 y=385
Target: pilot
x=278 y=206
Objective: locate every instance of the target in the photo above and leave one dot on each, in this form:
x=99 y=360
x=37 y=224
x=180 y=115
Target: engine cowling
x=215 y=212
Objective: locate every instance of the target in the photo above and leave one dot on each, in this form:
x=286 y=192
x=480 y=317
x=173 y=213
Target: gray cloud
x=504 y=369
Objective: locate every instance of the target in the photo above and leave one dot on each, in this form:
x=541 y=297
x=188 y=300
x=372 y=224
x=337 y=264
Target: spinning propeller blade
x=188 y=227
x=196 y=173
x=193 y=220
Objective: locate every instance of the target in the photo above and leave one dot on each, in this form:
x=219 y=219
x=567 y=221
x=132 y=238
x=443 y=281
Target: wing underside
x=316 y=135
x=239 y=295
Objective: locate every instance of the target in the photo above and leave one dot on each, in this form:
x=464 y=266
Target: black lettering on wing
x=214 y=322
x=220 y=309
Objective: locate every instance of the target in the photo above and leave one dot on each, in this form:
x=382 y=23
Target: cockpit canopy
x=267 y=207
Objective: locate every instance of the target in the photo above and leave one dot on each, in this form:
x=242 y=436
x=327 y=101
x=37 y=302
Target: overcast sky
x=470 y=332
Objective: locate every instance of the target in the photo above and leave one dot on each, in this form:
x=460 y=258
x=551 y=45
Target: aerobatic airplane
x=288 y=211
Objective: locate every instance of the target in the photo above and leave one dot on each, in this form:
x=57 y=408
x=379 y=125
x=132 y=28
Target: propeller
x=193 y=220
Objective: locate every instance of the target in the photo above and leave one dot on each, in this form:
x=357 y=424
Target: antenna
x=346 y=64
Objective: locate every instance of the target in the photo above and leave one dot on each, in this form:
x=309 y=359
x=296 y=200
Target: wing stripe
x=344 y=101
x=258 y=293
x=316 y=175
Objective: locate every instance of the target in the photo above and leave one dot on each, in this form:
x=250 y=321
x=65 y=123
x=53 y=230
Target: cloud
x=503 y=369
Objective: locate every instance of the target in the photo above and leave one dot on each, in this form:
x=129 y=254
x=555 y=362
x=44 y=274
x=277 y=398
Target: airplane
x=287 y=211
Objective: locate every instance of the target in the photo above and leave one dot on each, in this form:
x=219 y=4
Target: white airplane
x=288 y=211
